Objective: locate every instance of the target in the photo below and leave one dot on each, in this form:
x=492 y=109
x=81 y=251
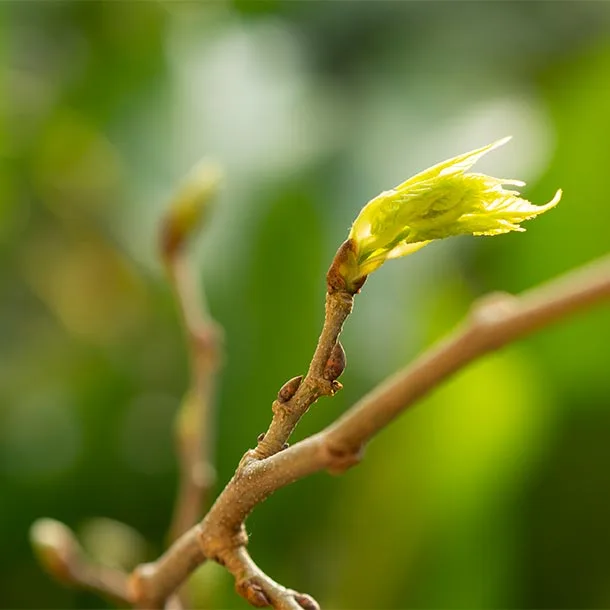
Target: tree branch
x=60 y=553
x=260 y=590
x=328 y=363
x=297 y=395
x=150 y=584
x=194 y=422
x=494 y=321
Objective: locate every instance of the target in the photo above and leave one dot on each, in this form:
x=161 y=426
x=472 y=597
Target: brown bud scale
x=335 y=365
x=253 y=592
x=288 y=390
x=306 y=601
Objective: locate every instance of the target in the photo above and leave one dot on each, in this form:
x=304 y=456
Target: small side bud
x=343 y=458
x=189 y=206
x=288 y=390
x=253 y=592
x=335 y=365
x=55 y=546
x=306 y=601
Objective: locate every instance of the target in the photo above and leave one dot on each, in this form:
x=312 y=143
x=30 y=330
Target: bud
x=439 y=202
x=55 y=547
x=335 y=365
x=253 y=592
x=288 y=390
x=306 y=601
x=189 y=206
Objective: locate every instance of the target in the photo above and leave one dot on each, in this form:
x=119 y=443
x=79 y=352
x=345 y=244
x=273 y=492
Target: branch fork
x=221 y=536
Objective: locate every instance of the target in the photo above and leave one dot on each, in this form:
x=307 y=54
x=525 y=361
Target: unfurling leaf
x=439 y=202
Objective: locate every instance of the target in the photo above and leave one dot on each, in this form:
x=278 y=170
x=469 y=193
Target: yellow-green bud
x=189 y=206
x=439 y=202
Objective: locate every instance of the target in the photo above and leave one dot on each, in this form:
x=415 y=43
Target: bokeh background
x=495 y=491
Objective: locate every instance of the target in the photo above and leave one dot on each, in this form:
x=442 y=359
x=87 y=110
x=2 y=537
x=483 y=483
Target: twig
x=62 y=556
x=296 y=396
x=327 y=364
x=154 y=582
x=150 y=584
x=194 y=420
x=494 y=321
x=260 y=590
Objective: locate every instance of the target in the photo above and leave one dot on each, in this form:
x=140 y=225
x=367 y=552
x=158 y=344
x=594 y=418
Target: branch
x=260 y=590
x=328 y=363
x=194 y=420
x=61 y=555
x=150 y=584
x=298 y=394
x=154 y=582
x=494 y=321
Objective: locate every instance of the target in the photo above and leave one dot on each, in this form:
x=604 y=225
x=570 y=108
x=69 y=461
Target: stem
x=194 y=422
x=60 y=553
x=287 y=413
x=494 y=322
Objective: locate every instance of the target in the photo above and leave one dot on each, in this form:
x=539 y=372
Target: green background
x=495 y=491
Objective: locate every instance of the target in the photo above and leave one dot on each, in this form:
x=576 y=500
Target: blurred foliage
x=494 y=492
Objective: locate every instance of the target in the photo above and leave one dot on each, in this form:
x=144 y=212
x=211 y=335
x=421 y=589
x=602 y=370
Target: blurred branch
x=60 y=553
x=494 y=321
x=194 y=423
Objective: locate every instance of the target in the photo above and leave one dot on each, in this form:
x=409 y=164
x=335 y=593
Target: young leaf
x=439 y=202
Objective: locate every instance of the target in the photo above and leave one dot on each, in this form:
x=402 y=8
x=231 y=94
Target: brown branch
x=296 y=396
x=150 y=584
x=56 y=546
x=156 y=581
x=260 y=590
x=60 y=553
x=194 y=422
x=494 y=321
x=328 y=362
